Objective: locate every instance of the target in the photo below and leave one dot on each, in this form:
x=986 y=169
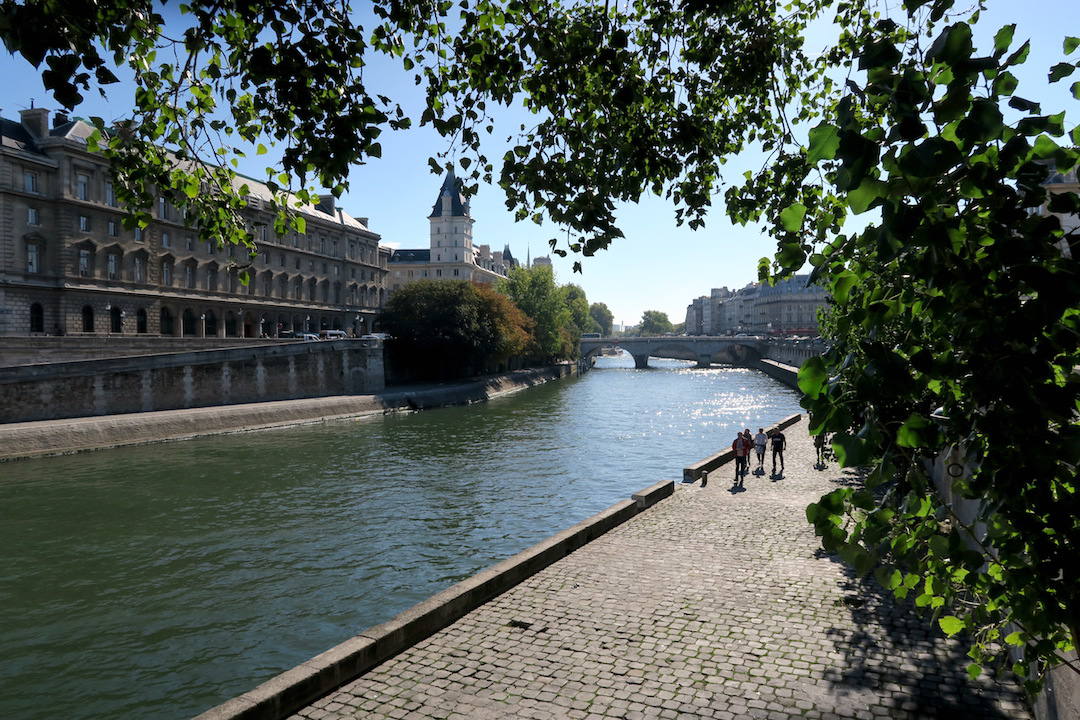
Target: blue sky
x=657 y=266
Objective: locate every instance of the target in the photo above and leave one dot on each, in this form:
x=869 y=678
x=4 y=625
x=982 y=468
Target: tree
x=955 y=320
x=603 y=317
x=447 y=329
x=578 y=305
x=654 y=322
x=534 y=291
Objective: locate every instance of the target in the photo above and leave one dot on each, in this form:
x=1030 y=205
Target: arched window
x=188 y=323
x=168 y=326
x=87 y=319
x=140 y=321
x=37 y=318
x=116 y=319
x=211 y=324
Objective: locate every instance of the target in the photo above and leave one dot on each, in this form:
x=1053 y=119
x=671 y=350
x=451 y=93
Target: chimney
x=326 y=204
x=60 y=118
x=36 y=121
x=363 y=221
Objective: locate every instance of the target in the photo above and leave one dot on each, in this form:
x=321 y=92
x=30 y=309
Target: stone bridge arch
x=703 y=350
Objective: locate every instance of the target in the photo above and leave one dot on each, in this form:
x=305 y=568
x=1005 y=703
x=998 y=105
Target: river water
x=154 y=582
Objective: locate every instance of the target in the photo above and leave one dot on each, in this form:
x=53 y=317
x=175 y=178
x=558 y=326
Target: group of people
x=745 y=443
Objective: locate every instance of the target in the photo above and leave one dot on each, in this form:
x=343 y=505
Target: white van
x=333 y=334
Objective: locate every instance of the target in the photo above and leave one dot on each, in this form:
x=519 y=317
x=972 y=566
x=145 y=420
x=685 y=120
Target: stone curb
x=694 y=472
x=71 y=435
x=284 y=694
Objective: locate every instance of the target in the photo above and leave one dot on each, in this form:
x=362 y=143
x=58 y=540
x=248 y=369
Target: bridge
x=702 y=350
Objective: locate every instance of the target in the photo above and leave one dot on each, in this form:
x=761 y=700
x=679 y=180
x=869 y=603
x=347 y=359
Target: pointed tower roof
x=459 y=206
x=508 y=256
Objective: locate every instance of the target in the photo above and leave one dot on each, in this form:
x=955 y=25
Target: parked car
x=307 y=337
x=333 y=334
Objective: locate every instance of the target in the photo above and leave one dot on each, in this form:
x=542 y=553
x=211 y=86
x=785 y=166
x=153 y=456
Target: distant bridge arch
x=702 y=350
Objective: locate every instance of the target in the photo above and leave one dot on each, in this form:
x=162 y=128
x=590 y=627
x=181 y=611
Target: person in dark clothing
x=741 y=446
x=779 y=444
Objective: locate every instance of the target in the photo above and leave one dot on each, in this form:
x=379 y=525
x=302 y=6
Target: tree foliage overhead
x=655 y=322
x=956 y=309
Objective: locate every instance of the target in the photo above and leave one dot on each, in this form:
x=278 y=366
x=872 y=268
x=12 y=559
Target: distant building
x=69 y=266
x=451 y=254
x=542 y=261
x=788 y=308
x=1058 y=182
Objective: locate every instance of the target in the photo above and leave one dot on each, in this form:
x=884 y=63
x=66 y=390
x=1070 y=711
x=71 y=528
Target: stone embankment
x=713 y=603
x=52 y=437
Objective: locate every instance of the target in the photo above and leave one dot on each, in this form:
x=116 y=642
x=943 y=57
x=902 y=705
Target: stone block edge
x=287 y=692
x=693 y=473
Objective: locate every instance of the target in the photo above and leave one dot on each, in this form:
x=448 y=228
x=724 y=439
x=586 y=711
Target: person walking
x=741 y=447
x=779 y=444
x=760 y=441
x=819 y=447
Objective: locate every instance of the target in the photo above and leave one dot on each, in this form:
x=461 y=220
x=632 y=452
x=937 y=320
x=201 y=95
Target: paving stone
x=711 y=604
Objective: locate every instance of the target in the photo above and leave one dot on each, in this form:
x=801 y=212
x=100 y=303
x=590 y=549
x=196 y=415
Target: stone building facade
x=451 y=254
x=788 y=308
x=69 y=266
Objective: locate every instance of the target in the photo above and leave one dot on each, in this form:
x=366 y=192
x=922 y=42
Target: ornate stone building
x=451 y=254
x=68 y=265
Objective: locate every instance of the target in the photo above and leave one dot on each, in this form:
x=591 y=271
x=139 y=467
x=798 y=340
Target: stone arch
x=166 y=322
x=248 y=325
x=232 y=325
x=116 y=319
x=141 y=325
x=210 y=324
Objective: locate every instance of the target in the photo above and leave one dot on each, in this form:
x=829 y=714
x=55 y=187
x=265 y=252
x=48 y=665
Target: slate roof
x=458 y=205
x=419 y=255
x=14 y=135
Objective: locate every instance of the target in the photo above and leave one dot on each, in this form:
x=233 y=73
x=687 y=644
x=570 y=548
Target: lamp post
x=108 y=311
x=202 y=325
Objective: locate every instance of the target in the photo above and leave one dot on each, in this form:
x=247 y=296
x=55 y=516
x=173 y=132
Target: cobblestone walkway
x=711 y=604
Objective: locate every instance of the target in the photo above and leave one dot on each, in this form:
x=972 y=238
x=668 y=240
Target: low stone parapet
x=693 y=473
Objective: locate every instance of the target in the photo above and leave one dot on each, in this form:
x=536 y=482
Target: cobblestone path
x=711 y=604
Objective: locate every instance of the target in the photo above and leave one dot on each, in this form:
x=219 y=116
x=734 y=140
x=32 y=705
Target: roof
x=459 y=206
x=14 y=135
x=419 y=255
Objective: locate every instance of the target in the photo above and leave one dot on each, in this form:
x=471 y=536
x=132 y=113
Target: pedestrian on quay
x=819 y=447
x=779 y=444
x=741 y=447
x=760 y=441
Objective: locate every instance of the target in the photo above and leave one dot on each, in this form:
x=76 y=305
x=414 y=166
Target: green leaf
x=1014 y=638
x=950 y=625
x=792 y=217
x=1061 y=70
x=260 y=150
x=851 y=451
x=841 y=286
x=861 y=198
x=974 y=670
x=916 y=432
x=1075 y=90
x=824 y=140
x=1070 y=44
x=812 y=376
x=1003 y=39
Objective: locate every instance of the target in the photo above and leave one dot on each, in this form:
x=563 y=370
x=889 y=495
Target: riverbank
x=716 y=602
x=59 y=437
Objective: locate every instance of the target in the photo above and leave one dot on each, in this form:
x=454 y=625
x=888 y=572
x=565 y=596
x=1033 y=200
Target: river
x=154 y=582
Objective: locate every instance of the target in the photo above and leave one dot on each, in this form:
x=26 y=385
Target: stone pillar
x=641 y=361
x=704 y=361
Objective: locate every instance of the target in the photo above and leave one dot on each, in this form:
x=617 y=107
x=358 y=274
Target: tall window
x=114 y=228
x=165 y=241
x=190 y=243
x=30 y=181
x=112 y=266
x=140 y=321
x=211 y=279
x=33 y=216
x=110 y=195
x=163 y=208
x=82 y=186
x=189 y=276
x=140 y=235
x=33 y=263
x=87 y=319
x=84 y=223
x=140 y=269
x=166 y=272
x=86 y=262
x=211 y=247
x=37 y=318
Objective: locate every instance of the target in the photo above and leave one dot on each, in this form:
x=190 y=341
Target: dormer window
x=112 y=266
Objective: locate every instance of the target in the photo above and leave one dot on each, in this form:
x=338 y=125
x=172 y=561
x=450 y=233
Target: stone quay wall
x=37 y=349
x=172 y=381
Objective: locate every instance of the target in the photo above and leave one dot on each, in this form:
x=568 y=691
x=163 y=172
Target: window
x=166 y=272
x=268 y=289
x=84 y=223
x=33 y=264
x=110 y=195
x=30 y=181
x=86 y=262
x=140 y=321
x=82 y=186
x=281 y=259
x=37 y=318
x=324 y=268
x=211 y=279
x=297 y=263
x=352 y=273
x=33 y=216
x=140 y=236
x=189 y=276
x=232 y=250
x=165 y=241
x=438 y=273
x=455 y=272
x=163 y=208
x=190 y=243
x=337 y=270
x=112 y=266
x=140 y=269
x=87 y=319
x=211 y=247
x=114 y=228
x=262 y=233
